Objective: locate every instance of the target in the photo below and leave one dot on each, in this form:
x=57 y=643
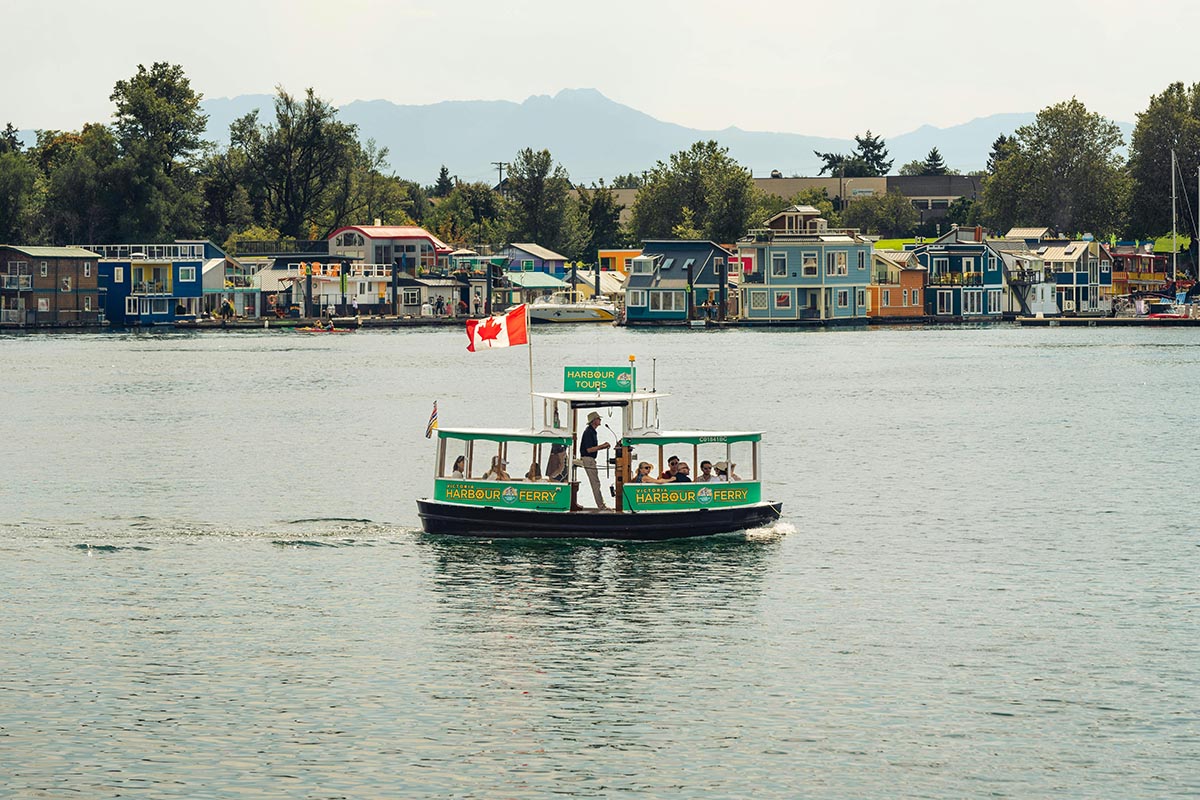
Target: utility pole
x=1174 y=246
x=500 y=165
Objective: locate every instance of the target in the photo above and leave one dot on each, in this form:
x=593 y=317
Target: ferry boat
x=526 y=483
x=571 y=307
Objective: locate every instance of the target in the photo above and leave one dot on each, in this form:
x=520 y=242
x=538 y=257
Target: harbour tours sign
x=535 y=496
x=670 y=496
x=598 y=379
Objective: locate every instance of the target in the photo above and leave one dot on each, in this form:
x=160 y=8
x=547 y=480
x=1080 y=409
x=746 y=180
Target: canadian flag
x=501 y=330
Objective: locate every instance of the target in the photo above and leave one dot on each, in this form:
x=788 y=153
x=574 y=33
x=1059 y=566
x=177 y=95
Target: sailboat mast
x=1174 y=246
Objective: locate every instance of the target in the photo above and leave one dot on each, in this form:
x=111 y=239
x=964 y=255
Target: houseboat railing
x=150 y=252
x=957 y=279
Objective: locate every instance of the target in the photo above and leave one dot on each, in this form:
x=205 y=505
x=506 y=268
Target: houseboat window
x=635 y=297
x=993 y=301
x=43 y=304
x=628 y=261
x=945 y=302
x=187 y=274
x=836 y=263
x=411 y=297
x=887 y=297
x=87 y=269
x=783 y=300
x=758 y=300
x=668 y=263
x=862 y=259
x=45 y=269
x=66 y=283
x=810 y=261
x=941 y=266
x=972 y=302
x=861 y=298
x=87 y=302
x=778 y=265
x=843 y=298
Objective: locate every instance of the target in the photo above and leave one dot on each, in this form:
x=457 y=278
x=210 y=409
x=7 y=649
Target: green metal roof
x=503 y=435
x=693 y=437
x=54 y=252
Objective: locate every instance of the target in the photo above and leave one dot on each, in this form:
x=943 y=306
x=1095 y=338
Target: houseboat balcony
x=957 y=279
x=754 y=277
x=1028 y=276
x=150 y=287
x=20 y=283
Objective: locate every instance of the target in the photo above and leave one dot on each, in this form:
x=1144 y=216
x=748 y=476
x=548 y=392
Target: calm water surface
x=985 y=584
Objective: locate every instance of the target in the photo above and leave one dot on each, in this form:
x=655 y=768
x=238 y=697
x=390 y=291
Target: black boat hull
x=511 y=523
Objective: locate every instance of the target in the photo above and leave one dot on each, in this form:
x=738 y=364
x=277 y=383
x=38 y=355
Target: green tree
x=226 y=202
x=298 y=163
x=444 y=184
x=840 y=165
x=914 y=167
x=629 y=181
x=538 y=194
x=686 y=229
x=1002 y=148
x=1171 y=121
x=83 y=202
x=872 y=151
x=158 y=125
x=703 y=178
x=1064 y=171
x=17 y=197
x=934 y=164
x=601 y=214
x=890 y=215
x=10 y=142
x=471 y=214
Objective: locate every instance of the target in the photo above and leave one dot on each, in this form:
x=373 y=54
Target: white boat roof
x=668 y=436
x=507 y=433
x=603 y=397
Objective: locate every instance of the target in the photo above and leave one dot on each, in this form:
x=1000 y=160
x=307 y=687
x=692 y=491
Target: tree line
x=299 y=172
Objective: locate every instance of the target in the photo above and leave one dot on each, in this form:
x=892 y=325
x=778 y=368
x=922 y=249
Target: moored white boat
x=571 y=307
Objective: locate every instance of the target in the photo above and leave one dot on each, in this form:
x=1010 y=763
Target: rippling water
x=985 y=583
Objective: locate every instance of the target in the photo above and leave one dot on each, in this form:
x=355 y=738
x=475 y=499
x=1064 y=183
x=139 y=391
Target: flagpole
x=529 y=340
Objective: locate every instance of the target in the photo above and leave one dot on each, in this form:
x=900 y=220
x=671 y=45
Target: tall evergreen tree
x=933 y=165
x=1002 y=148
x=444 y=184
x=538 y=191
x=873 y=151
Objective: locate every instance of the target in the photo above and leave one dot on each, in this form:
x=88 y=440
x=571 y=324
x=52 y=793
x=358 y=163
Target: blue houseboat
x=797 y=268
x=966 y=276
x=676 y=280
x=152 y=284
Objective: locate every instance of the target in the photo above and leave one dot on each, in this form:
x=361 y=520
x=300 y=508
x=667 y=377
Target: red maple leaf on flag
x=488 y=330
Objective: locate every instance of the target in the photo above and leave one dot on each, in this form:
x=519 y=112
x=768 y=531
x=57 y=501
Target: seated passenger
x=669 y=472
x=497 y=472
x=535 y=473
x=644 y=475
x=556 y=465
x=706 y=473
x=460 y=465
x=683 y=473
x=725 y=472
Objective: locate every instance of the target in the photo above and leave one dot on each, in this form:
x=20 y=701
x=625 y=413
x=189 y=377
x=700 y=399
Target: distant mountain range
x=595 y=137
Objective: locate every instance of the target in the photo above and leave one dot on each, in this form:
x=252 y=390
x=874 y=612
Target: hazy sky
x=824 y=68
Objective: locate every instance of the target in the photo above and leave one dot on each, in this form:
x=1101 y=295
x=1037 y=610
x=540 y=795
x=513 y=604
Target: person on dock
x=589 y=449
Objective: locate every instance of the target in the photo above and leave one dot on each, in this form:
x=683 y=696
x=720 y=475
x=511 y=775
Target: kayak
x=325 y=330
